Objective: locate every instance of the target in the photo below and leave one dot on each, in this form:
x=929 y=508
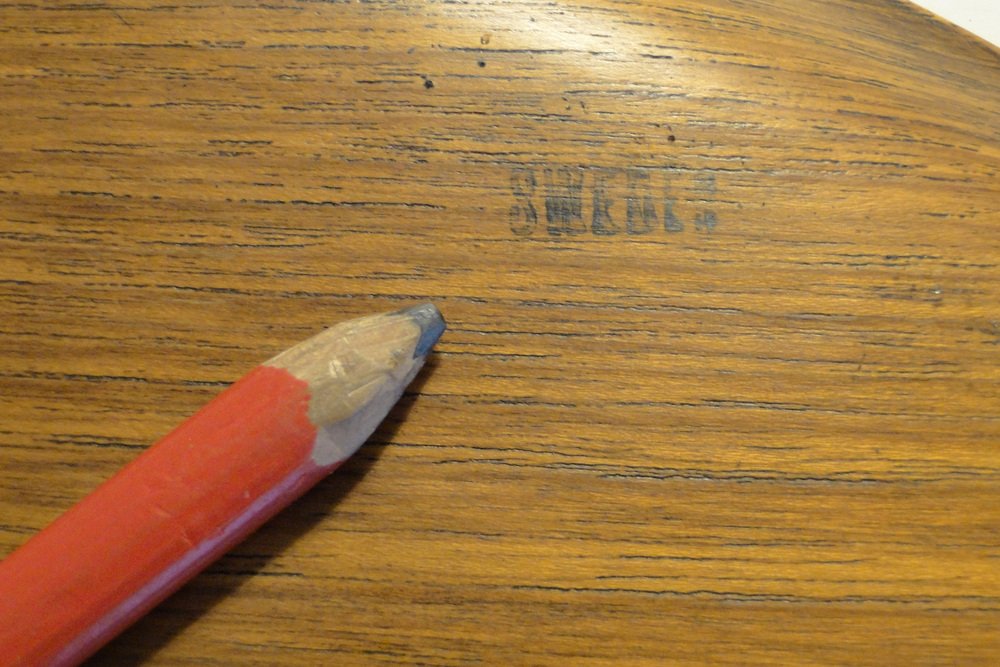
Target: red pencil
x=205 y=486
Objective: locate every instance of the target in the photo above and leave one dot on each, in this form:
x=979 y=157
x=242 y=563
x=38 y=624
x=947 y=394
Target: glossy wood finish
x=721 y=379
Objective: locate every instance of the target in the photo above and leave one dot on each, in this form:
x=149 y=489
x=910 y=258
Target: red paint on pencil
x=177 y=507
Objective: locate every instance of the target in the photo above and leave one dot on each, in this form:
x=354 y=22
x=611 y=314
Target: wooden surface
x=721 y=383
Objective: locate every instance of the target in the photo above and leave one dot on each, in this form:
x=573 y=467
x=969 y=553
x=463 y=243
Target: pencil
x=205 y=486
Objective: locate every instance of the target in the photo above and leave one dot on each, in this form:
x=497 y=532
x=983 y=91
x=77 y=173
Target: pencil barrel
x=164 y=517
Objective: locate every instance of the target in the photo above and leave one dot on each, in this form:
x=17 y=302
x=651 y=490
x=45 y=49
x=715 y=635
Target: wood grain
x=723 y=285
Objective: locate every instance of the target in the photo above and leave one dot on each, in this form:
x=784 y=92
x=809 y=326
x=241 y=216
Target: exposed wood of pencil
x=722 y=279
x=204 y=487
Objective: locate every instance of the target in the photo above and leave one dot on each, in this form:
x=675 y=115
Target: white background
x=981 y=17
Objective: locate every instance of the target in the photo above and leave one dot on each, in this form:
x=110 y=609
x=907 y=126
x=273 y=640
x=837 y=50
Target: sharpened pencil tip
x=357 y=370
x=431 y=324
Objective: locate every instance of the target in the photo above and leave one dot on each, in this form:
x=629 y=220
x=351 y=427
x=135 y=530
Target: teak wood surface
x=721 y=383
